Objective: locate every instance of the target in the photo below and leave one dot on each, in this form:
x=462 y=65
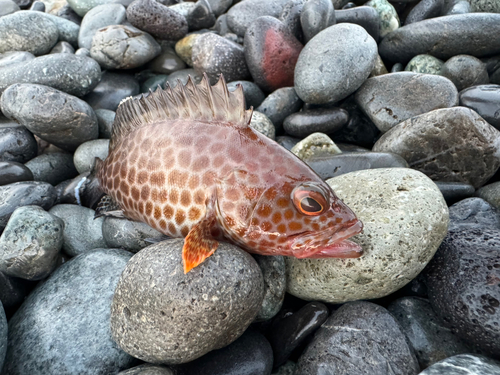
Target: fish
x=185 y=161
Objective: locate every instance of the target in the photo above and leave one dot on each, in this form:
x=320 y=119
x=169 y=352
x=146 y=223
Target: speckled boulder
x=161 y=315
x=405 y=219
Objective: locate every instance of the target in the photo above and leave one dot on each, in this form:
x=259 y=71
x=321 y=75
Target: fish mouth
x=312 y=244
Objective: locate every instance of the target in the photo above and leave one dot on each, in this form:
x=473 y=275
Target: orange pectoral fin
x=198 y=246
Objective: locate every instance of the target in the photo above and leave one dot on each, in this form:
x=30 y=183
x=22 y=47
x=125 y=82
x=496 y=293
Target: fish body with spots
x=186 y=161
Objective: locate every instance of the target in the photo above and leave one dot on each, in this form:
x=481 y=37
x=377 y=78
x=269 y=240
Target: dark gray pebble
x=11 y=171
x=113 y=88
x=322 y=120
x=166 y=63
x=473 y=213
x=316 y=16
x=290 y=17
x=364 y=16
x=200 y=16
x=273 y=271
x=105 y=119
x=220 y=6
x=38 y=6
x=16 y=142
x=85 y=154
x=13 y=291
x=127 y=234
x=465 y=71
x=464 y=364
x=253 y=94
x=279 y=105
x=484 y=100
x=455 y=191
x=152 y=83
x=54 y=167
x=425 y=9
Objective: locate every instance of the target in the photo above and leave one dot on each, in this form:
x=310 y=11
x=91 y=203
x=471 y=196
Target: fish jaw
x=328 y=244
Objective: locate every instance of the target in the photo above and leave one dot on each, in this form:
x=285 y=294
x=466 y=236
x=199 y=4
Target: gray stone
x=147 y=369
x=38 y=6
x=8 y=7
x=16 y=143
x=153 y=83
x=113 y=88
x=183 y=76
x=389 y=20
x=429 y=338
x=490 y=193
x=364 y=16
x=75 y=75
x=446 y=144
x=409 y=217
x=184 y=47
x=81 y=7
x=316 y=16
x=86 y=153
x=14 y=57
x=21 y=194
x=201 y=16
x=183 y=8
x=486 y=6
x=81 y=232
x=27 y=32
x=465 y=71
x=82 y=52
x=105 y=119
x=464 y=364
x=127 y=234
x=460 y=7
x=30 y=243
x=12 y=171
x=359 y=338
x=63 y=47
x=180 y=317
x=334 y=64
x=476 y=34
x=263 y=124
x=279 y=105
x=473 y=213
x=287 y=369
x=214 y=55
x=253 y=94
x=392 y=98
x=98 y=17
x=290 y=17
x=425 y=9
x=220 y=6
x=123 y=47
x=484 y=100
x=167 y=62
x=242 y=14
x=68 y=30
x=322 y=120
x=67 y=316
x=455 y=191
x=315 y=145
x=425 y=64
x=54 y=167
x=3 y=334
x=52 y=115
x=273 y=271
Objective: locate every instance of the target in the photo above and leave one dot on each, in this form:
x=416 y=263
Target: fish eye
x=309 y=200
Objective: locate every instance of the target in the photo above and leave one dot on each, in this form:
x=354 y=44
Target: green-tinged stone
x=389 y=20
x=317 y=144
x=425 y=64
x=379 y=68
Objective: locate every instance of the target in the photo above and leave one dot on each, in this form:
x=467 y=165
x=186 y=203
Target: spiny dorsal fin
x=200 y=102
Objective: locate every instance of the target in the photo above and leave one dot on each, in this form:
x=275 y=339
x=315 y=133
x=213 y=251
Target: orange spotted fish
x=185 y=161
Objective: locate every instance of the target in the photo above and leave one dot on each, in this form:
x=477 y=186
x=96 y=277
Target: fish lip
x=336 y=237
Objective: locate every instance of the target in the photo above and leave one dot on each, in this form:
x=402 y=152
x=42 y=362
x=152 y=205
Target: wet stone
x=425 y=64
x=81 y=232
x=63 y=47
x=157 y=19
x=253 y=94
x=279 y=105
x=462 y=281
x=316 y=16
x=445 y=144
x=21 y=194
x=181 y=316
x=127 y=234
x=322 y=120
x=389 y=20
x=250 y=354
x=30 y=243
x=430 y=339
x=455 y=191
x=271 y=52
x=54 y=167
x=484 y=100
x=105 y=119
x=289 y=330
x=215 y=55
x=473 y=213
x=67 y=190
x=364 y=16
x=315 y=145
x=360 y=337
x=68 y=316
x=8 y=7
x=113 y=88
x=54 y=116
x=86 y=153
x=273 y=271
x=321 y=76
x=166 y=63
x=262 y=124
x=14 y=57
x=16 y=143
x=392 y=98
x=465 y=71
x=98 y=17
x=200 y=16
x=464 y=364
x=425 y=9
x=290 y=17
x=123 y=47
x=11 y=171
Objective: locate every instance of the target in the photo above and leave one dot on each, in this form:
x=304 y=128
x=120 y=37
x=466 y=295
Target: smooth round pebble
x=290 y=17
x=3 y=334
x=253 y=94
x=316 y=16
x=86 y=153
x=98 y=17
x=54 y=167
x=465 y=71
x=455 y=191
x=200 y=16
x=62 y=47
x=113 y=88
x=426 y=64
x=262 y=124
x=81 y=7
x=279 y=105
x=464 y=364
x=16 y=142
x=127 y=234
x=166 y=63
x=364 y=16
x=484 y=100
x=12 y=171
x=322 y=120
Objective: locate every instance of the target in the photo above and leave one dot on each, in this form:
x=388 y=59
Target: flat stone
x=322 y=120
x=16 y=143
x=425 y=9
x=333 y=55
x=316 y=16
x=215 y=55
x=81 y=232
x=473 y=213
x=262 y=124
x=462 y=282
x=273 y=271
x=157 y=19
x=335 y=165
x=455 y=191
x=200 y=16
x=54 y=167
x=279 y=105
x=429 y=338
x=465 y=71
x=86 y=153
x=113 y=88
x=484 y=100
x=98 y=17
x=445 y=144
x=21 y=194
x=72 y=74
x=359 y=338
x=54 y=116
x=127 y=234
x=271 y=52
x=181 y=317
x=123 y=47
x=409 y=217
x=12 y=171
x=365 y=16
x=389 y=20
x=250 y=353
x=392 y=98
x=253 y=94
x=30 y=243
x=67 y=316
x=425 y=64
x=8 y=7
x=105 y=119
x=464 y=364
x=14 y=57
x=476 y=34
x=241 y=15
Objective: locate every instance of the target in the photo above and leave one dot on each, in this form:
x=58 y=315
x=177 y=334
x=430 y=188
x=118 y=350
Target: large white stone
x=405 y=219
